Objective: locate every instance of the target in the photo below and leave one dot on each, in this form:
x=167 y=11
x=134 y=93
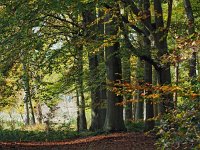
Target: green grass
x=38 y=133
x=26 y=136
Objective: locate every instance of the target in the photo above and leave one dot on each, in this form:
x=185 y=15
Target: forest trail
x=114 y=141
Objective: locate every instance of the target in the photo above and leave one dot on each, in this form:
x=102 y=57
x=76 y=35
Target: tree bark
x=82 y=118
x=27 y=98
x=160 y=37
x=126 y=74
x=191 y=30
x=139 y=115
x=114 y=115
x=78 y=111
x=155 y=83
x=97 y=110
x=149 y=122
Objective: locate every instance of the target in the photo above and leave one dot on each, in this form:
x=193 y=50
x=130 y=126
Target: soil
x=114 y=141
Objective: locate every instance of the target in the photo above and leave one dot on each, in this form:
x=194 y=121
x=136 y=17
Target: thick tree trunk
x=114 y=115
x=98 y=95
x=95 y=94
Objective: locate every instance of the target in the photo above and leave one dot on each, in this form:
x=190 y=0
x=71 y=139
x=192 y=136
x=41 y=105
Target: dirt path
x=115 y=141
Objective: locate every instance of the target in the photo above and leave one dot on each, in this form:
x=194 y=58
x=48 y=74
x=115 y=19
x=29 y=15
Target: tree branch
x=137 y=12
x=138 y=53
x=169 y=15
x=125 y=20
x=64 y=20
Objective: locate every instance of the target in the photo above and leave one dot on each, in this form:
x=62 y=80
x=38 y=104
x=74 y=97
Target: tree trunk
x=114 y=114
x=149 y=122
x=126 y=74
x=139 y=115
x=78 y=111
x=176 y=70
x=102 y=74
x=31 y=107
x=155 y=83
x=160 y=37
x=27 y=118
x=82 y=118
x=27 y=93
x=97 y=113
x=98 y=95
x=191 y=30
x=39 y=110
x=83 y=122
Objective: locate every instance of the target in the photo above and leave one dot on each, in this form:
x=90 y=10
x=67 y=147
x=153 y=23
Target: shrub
x=180 y=128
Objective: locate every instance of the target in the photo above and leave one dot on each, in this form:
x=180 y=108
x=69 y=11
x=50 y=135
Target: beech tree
x=90 y=44
x=114 y=114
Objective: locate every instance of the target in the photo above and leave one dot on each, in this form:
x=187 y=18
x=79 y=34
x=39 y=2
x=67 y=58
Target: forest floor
x=114 y=141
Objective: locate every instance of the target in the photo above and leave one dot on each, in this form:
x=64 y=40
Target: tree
x=80 y=96
x=91 y=26
x=191 y=30
x=159 y=33
x=139 y=112
x=149 y=122
x=114 y=114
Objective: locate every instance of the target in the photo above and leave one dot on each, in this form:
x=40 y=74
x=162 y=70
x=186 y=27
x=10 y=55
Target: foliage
x=41 y=135
x=48 y=37
x=180 y=128
x=19 y=135
x=135 y=126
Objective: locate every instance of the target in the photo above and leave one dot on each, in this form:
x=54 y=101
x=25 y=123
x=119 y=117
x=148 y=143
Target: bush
x=180 y=128
x=19 y=135
x=135 y=126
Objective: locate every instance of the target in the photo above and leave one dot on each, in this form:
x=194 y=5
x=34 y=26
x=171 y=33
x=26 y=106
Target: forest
x=102 y=70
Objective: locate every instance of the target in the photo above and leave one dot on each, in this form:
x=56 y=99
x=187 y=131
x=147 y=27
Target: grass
x=38 y=133
x=27 y=136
